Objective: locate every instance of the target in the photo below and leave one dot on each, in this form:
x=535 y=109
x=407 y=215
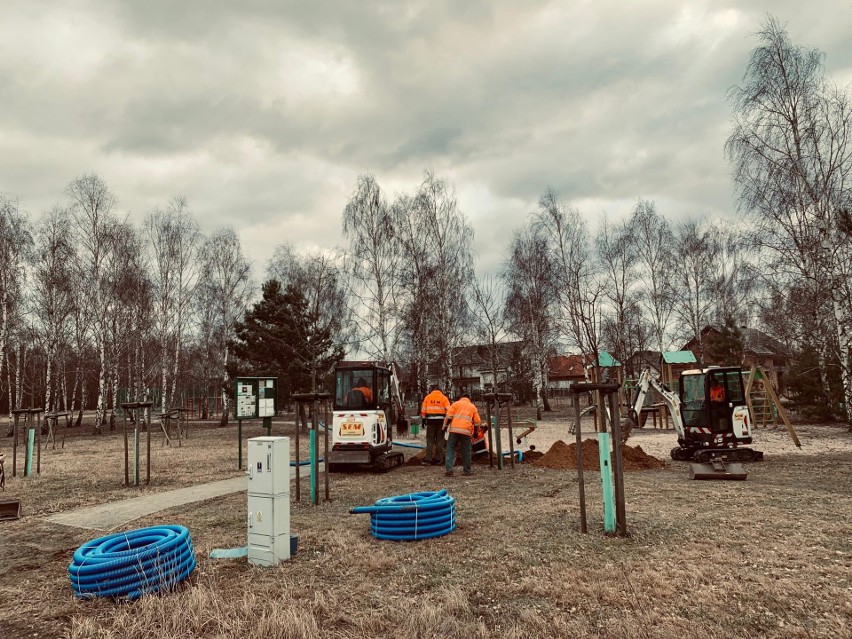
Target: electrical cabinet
x=268 y=500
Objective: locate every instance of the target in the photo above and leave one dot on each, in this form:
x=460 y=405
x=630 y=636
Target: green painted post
x=240 y=444
x=313 y=441
x=606 y=483
x=28 y=465
x=136 y=456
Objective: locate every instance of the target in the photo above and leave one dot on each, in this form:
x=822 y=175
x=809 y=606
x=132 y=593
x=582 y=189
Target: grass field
x=769 y=557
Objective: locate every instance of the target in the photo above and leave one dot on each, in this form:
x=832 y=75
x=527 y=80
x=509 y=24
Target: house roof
x=679 y=357
x=607 y=361
x=562 y=366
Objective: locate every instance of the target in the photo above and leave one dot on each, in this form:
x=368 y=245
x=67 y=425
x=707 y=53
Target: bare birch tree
x=91 y=204
x=654 y=244
x=792 y=162
x=368 y=224
x=227 y=286
x=52 y=293
x=15 y=243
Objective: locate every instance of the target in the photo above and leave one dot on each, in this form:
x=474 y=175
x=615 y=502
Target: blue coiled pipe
x=132 y=563
x=411 y=517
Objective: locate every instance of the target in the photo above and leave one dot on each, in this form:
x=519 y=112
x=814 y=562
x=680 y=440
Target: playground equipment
x=367 y=405
x=710 y=414
x=131 y=564
x=411 y=517
x=760 y=386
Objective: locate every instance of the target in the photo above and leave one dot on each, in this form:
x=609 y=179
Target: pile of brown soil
x=562 y=456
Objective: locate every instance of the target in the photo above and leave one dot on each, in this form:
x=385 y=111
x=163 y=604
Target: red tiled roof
x=565 y=366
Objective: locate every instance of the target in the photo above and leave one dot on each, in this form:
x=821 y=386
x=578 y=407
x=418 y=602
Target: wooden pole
x=38 y=435
x=15 y=448
x=239 y=444
x=315 y=453
x=490 y=434
x=511 y=435
x=126 y=454
x=299 y=413
x=620 y=510
x=325 y=452
x=579 y=446
x=497 y=433
x=147 y=451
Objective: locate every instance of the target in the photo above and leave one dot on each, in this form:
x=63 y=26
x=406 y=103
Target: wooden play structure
x=763 y=402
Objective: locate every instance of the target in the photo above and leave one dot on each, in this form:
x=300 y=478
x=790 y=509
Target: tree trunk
x=18 y=376
x=225 y=397
x=844 y=339
x=100 y=408
x=48 y=382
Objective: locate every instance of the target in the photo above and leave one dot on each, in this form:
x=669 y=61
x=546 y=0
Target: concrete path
x=118 y=513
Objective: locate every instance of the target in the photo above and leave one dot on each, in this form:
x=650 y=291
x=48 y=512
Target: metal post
x=239 y=444
x=267 y=424
x=490 y=434
x=579 y=447
x=620 y=510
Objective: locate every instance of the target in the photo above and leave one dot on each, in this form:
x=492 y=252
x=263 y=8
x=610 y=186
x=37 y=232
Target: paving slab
x=107 y=517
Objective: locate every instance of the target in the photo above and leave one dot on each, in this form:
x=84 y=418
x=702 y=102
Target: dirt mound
x=562 y=456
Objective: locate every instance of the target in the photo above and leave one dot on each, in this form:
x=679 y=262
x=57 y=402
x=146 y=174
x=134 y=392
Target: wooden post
x=579 y=445
x=15 y=448
x=147 y=449
x=511 y=435
x=325 y=452
x=490 y=434
x=620 y=510
x=38 y=431
x=126 y=453
x=315 y=453
x=299 y=421
x=136 y=455
x=497 y=433
x=240 y=444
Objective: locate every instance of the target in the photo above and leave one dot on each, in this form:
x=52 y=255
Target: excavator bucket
x=10 y=509
x=717 y=469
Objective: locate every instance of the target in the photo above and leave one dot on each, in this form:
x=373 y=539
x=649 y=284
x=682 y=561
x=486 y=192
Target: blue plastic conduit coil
x=411 y=517
x=132 y=563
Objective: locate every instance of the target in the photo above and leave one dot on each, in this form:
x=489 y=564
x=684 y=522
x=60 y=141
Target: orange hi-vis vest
x=435 y=405
x=717 y=394
x=464 y=416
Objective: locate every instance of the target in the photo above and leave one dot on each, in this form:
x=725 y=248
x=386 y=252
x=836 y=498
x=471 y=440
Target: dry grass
x=769 y=557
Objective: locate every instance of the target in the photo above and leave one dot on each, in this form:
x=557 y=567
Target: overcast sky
x=263 y=112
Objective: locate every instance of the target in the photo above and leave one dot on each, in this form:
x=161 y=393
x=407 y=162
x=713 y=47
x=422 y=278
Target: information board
x=255 y=397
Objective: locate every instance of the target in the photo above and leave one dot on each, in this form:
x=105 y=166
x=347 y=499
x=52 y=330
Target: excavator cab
x=715 y=414
x=366 y=405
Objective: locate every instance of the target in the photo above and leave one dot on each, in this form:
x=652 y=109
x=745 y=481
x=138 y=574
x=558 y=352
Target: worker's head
x=435 y=387
x=714 y=382
x=361 y=382
x=465 y=396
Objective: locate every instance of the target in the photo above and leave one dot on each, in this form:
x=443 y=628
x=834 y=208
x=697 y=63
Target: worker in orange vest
x=432 y=411
x=463 y=418
x=717 y=392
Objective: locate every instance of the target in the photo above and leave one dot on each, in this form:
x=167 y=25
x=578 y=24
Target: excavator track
x=388 y=461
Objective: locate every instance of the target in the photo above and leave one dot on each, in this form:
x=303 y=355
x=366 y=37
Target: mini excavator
x=710 y=414
x=367 y=405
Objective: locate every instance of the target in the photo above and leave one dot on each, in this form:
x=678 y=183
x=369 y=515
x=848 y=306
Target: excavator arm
x=671 y=400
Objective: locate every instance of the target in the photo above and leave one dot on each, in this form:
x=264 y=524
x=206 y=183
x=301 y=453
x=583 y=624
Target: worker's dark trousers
x=464 y=442
x=434 y=440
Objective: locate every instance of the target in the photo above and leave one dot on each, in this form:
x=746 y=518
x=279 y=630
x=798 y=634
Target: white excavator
x=710 y=414
x=367 y=406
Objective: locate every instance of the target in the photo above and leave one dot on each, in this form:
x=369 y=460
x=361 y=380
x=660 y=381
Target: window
x=692 y=399
x=354 y=389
